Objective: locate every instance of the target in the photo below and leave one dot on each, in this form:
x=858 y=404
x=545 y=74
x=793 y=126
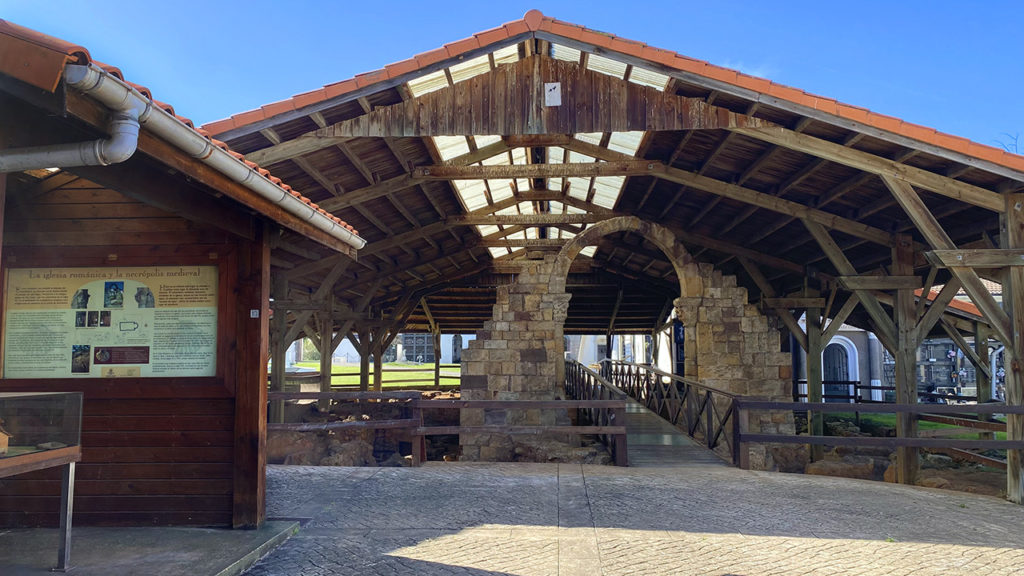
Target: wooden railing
x=582 y=383
x=608 y=428
x=951 y=412
x=705 y=413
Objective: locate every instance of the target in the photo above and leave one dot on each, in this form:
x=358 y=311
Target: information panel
x=113 y=322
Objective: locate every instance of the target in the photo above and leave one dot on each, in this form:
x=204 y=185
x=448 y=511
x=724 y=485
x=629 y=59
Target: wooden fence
x=606 y=415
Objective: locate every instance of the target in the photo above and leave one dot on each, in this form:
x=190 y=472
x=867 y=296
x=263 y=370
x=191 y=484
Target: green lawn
x=424 y=376
x=889 y=420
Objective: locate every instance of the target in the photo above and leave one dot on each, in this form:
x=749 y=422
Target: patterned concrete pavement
x=562 y=519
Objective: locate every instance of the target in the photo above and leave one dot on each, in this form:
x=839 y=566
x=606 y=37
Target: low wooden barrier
x=613 y=434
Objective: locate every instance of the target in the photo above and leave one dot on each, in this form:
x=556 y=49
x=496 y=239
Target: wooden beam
x=837 y=321
x=937 y=308
x=523 y=219
x=794 y=303
x=868 y=162
x=289 y=149
x=969 y=351
x=884 y=328
x=574 y=169
x=937 y=238
x=905 y=355
x=975 y=258
x=1012 y=238
x=879 y=282
x=525 y=243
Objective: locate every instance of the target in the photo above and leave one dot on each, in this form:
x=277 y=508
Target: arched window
x=839 y=364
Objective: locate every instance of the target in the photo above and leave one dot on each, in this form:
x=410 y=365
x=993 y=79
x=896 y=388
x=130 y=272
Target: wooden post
x=1013 y=300
x=364 y=359
x=278 y=347
x=619 y=419
x=326 y=329
x=252 y=343
x=815 y=420
x=378 y=362
x=906 y=360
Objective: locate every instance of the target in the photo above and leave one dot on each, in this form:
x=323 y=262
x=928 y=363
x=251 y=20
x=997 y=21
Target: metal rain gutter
x=131 y=110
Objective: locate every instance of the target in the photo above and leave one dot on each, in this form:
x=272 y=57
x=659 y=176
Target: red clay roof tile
x=276 y=108
x=368 y=78
x=534 y=20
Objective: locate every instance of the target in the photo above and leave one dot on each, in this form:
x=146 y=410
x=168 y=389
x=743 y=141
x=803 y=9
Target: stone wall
x=519 y=353
x=516 y=356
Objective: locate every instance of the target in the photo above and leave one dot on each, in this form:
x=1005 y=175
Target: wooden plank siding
x=155 y=451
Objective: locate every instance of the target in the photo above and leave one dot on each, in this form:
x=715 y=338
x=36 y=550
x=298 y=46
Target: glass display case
x=43 y=430
x=36 y=422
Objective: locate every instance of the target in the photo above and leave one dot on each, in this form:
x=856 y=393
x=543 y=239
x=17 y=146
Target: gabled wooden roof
x=457 y=169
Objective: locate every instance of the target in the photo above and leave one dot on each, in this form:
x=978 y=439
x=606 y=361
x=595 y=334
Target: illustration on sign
x=77 y=322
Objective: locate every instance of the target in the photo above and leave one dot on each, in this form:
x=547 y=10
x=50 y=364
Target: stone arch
x=656 y=234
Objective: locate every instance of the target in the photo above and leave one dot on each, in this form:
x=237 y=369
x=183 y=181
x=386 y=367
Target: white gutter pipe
x=132 y=109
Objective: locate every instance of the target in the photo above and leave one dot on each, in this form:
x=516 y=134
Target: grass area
x=423 y=377
x=869 y=421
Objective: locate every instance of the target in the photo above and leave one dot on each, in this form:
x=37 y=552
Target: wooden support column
x=378 y=362
x=252 y=302
x=906 y=360
x=278 y=347
x=815 y=420
x=363 y=346
x=326 y=328
x=1013 y=299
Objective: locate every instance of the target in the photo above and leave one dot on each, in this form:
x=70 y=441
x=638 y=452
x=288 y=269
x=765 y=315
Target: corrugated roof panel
x=555 y=207
x=506 y=55
x=607 y=190
x=522 y=184
x=427 y=83
x=555 y=154
x=555 y=184
x=451 y=146
x=645 y=77
x=589 y=251
x=560 y=52
x=472 y=193
x=606 y=66
x=625 y=142
x=510 y=211
x=577 y=158
x=519 y=155
x=579 y=187
x=487 y=230
x=589 y=137
x=485 y=140
x=470 y=68
x=496 y=252
x=500 y=189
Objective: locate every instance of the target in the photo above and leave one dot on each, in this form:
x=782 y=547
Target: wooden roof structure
x=460 y=165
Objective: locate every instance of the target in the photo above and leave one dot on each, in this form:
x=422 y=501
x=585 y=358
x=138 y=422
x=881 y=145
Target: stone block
x=477 y=382
x=533 y=355
x=471 y=417
x=496 y=344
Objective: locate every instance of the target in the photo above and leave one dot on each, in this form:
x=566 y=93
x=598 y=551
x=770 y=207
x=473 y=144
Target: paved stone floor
x=561 y=519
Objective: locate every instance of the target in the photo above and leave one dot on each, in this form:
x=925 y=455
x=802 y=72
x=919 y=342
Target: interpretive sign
x=110 y=322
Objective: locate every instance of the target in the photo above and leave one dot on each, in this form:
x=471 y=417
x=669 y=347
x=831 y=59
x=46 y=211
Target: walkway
x=561 y=520
x=652 y=442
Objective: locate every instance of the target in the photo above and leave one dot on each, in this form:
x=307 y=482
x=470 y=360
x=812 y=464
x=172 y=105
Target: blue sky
x=957 y=66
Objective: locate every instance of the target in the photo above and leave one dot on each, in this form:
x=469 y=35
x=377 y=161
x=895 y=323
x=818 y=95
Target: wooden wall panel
x=154 y=450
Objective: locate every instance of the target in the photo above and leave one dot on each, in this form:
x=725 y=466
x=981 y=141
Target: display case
x=32 y=423
x=43 y=430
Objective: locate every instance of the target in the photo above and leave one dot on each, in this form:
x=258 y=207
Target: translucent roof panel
x=607 y=190
x=428 y=83
x=606 y=66
x=496 y=160
x=579 y=187
x=577 y=158
x=589 y=251
x=506 y=55
x=519 y=156
x=555 y=154
x=496 y=252
x=625 y=142
x=500 y=189
x=646 y=77
x=487 y=140
x=589 y=137
x=472 y=193
x=470 y=68
x=522 y=184
x=560 y=52
x=555 y=184
x=487 y=230
x=451 y=146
